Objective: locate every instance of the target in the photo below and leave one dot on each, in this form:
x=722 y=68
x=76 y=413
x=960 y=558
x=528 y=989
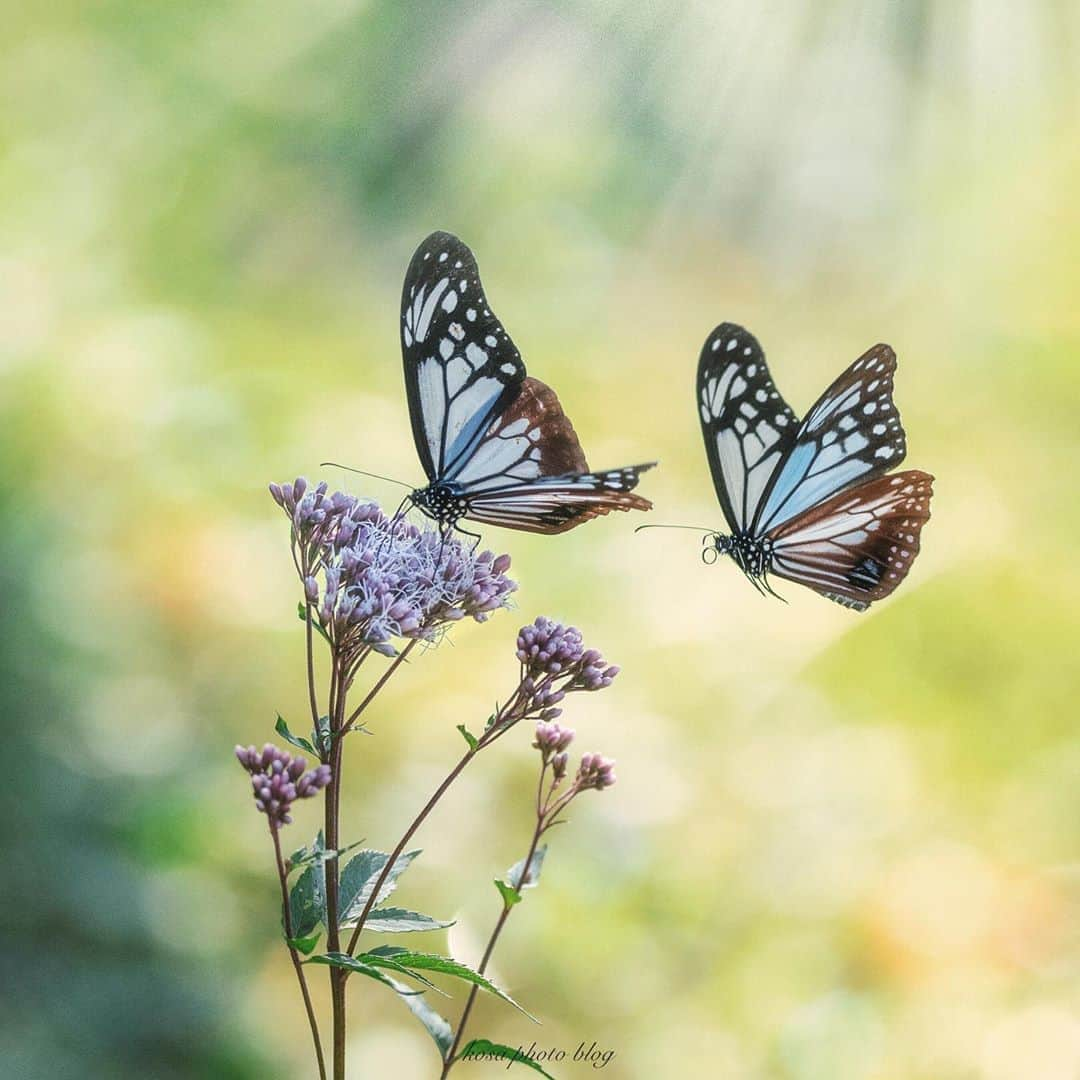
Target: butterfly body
x=443 y=501
x=752 y=555
x=811 y=501
x=494 y=442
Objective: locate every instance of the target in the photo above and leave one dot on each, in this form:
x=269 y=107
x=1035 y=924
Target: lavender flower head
x=552 y=739
x=279 y=779
x=370 y=579
x=555 y=663
x=595 y=771
x=546 y=647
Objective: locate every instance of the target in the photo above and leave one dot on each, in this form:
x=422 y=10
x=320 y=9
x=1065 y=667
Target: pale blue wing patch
x=852 y=434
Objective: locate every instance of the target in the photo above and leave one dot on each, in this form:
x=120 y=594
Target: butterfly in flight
x=494 y=442
x=810 y=501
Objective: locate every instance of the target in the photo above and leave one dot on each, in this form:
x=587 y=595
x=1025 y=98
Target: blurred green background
x=841 y=847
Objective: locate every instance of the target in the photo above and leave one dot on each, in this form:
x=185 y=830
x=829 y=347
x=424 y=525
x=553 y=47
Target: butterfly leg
x=476 y=537
x=770 y=590
x=399 y=513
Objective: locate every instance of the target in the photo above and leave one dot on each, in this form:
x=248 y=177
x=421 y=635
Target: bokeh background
x=842 y=847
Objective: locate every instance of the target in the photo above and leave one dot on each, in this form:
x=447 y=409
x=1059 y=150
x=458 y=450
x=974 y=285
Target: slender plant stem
x=417 y=821
x=450 y=1060
x=297 y=965
x=312 y=696
x=332 y=806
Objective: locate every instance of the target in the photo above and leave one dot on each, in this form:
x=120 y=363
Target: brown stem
x=332 y=874
x=312 y=697
x=450 y=1060
x=297 y=965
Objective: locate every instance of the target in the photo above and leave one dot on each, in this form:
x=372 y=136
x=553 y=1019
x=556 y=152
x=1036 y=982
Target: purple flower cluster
x=555 y=663
x=279 y=779
x=371 y=579
x=546 y=647
x=553 y=741
x=595 y=771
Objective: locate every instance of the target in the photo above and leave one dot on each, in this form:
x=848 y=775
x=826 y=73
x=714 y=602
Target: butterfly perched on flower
x=494 y=442
x=810 y=501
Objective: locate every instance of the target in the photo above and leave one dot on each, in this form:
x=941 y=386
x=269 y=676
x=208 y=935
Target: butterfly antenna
x=362 y=472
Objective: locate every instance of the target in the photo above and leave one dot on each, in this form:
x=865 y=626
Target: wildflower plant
x=372 y=588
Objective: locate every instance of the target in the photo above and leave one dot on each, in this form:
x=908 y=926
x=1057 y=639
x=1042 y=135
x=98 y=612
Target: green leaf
x=384 y=958
x=351 y=963
x=307 y=898
x=437 y=1027
x=484 y=1048
x=468 y=736
x=317 y=853
x=283 y=730
x=443 y=965
x=359 y=877
x=322 y=737
x=399 y=921
x=509 y=894
x=520 y=880
x=305 y=945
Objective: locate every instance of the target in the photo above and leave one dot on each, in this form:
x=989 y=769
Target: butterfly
x=810 y=501
x=494 y=442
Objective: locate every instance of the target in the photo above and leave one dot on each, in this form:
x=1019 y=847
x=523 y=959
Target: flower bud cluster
x=555 y=663
x=595 y=771
x=552 y=742
x=279 y=779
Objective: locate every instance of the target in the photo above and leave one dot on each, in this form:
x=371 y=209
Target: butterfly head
x=752 y=555
x=442 y=501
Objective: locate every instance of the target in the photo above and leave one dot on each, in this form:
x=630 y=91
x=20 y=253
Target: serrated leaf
x=294 y=740
x=437 y=1026
x=484 y=1048
x=520 y=880
x=443 y=965
x=307 y=901
x=351 y=963
x=317 y=853
x=359 y=877
x=400 y=921
x=305 y=945
x=385 y=958
x=509 y=894
x=468 y=736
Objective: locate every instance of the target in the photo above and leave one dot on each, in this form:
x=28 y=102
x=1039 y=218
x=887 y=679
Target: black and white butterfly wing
x=851 y=435
x=461 y=368
x=529 y=472
x=857 y=546
x=747 y=425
